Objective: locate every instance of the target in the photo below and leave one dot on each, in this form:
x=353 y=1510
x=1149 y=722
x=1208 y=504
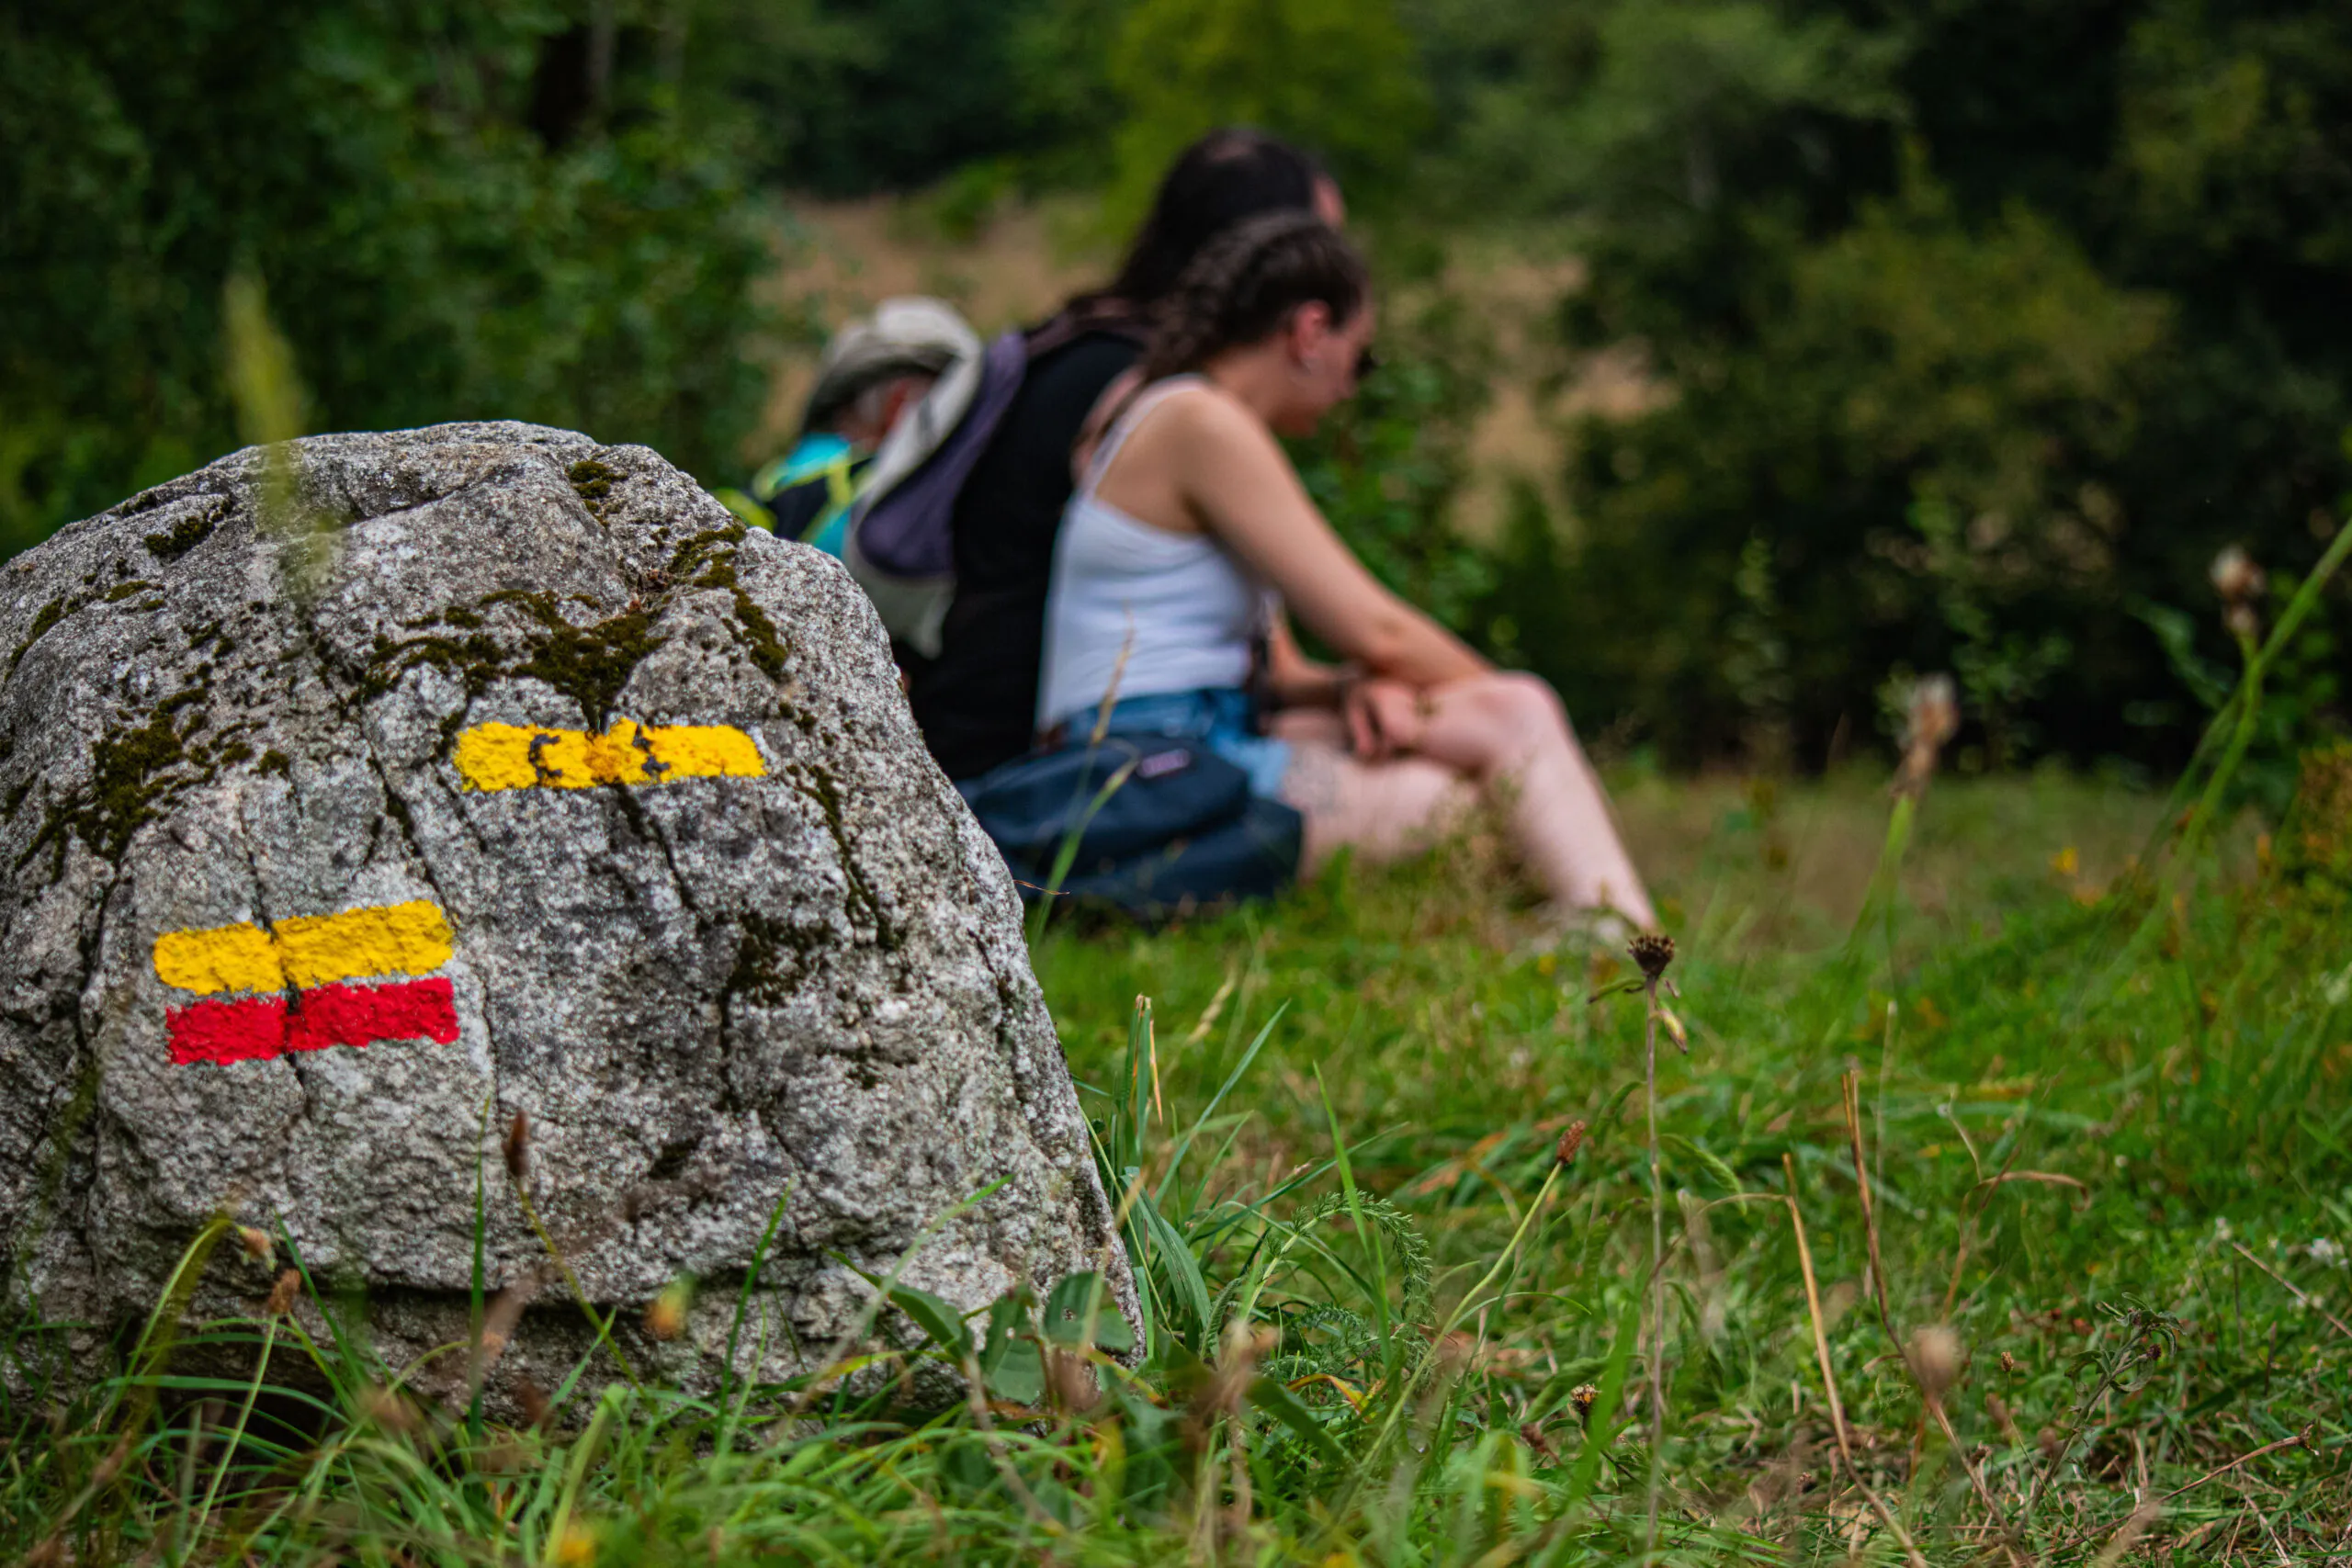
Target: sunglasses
x=1366 y=362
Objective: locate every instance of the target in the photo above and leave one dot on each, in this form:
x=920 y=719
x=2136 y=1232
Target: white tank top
x=1184 y=611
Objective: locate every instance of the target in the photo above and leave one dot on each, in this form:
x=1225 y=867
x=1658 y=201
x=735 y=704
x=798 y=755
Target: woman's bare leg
x=1383 y=810
x=1509 y=735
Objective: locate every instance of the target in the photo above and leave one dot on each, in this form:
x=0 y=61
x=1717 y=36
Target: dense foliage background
x=452 y=217
x=1980 y=324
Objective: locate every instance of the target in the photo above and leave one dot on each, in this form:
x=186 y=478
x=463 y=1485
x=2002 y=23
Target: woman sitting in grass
x=1190 y=537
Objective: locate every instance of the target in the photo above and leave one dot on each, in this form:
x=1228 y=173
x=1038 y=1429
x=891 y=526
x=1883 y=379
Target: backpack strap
x=901 y=541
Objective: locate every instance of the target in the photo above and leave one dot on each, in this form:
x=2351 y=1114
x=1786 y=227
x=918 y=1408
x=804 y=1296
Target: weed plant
x=2006 y=1233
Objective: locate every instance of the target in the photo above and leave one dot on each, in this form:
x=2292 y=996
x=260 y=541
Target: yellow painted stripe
x=233 y=958
x=310 y=950
x=390 y=939
x=514 y=756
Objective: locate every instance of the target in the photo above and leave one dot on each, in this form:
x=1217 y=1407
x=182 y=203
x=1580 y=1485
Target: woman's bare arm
x=1240 y=486
x=1295 y=681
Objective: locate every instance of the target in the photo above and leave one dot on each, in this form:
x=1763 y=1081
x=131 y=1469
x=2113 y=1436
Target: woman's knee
x=1512 y=712
x=1528 y=699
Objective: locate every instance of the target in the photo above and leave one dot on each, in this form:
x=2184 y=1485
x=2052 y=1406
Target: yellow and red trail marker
x=305 y=967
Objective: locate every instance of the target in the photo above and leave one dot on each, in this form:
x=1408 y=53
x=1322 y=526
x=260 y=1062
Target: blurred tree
x=865 y=95
x=1917 y=444
x=1986 y=322
x=428 y=251
x=1340 y=76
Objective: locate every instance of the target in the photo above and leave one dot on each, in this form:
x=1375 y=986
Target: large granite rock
x=352 y=805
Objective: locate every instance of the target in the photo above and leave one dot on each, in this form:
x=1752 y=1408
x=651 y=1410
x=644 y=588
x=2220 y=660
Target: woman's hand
x=1384 y=717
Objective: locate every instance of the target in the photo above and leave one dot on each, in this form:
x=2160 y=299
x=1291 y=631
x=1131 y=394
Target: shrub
x=1977 y=355
x=443 y=233
x=1910 y=463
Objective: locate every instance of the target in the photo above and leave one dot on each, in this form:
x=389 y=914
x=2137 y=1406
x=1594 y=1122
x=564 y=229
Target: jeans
x=1221 y=718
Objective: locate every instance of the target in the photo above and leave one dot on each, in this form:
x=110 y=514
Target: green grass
x=1375 y=1292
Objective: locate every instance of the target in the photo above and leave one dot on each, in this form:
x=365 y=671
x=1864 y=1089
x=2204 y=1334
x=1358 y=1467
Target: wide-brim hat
x=914 y=334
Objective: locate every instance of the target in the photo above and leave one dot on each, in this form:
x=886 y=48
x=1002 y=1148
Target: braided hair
x=1244 y=286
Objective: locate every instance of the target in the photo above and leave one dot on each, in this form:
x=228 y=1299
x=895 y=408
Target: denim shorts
x=1223 y=719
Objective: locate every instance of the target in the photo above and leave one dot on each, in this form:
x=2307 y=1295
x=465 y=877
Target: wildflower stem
x=237 y=1435
x=1829 y=1376
x=2249 y=699
x=2290 y=621
x=601 y=1324
x=2208 y=805
x=2299 y=1295
x=1658 y=1275
x=1879 y=900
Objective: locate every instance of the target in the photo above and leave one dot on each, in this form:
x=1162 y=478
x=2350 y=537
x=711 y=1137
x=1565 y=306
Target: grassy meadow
x=1973 y=1186
x=1385 y=1165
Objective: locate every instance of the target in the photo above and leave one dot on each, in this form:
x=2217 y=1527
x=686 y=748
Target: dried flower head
x=665 y=1317
x=2236 y=577
x=283 y=1294
x=1219 y=1395
x=1533 y=1435
x=2240 y=582
x=1935 y=1358
x=531 y=1401
x=255 y=1244
x=1570 y=1142
x=1930 y=718
x=1651 y=951
x=517 y=1147
x=388 y=1410
x=1584 y=1397
x=1070 y=1383
x=1248 y=1343
x=498 y=1325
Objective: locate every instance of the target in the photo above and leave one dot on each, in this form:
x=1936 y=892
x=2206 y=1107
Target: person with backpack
x=965 y=603
x=1189 y=538
x=874 y=371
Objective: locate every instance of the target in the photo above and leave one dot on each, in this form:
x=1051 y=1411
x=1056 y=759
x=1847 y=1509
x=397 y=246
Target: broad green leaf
x=1081 y=1312
x=1009 y=1320
x=941 y=1323
x=1019 y=1373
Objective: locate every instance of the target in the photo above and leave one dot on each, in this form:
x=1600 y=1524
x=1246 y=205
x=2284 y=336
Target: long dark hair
x=1226 y=177
x=1245 y=284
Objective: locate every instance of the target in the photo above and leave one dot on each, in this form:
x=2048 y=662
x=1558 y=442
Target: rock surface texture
x=355 y=802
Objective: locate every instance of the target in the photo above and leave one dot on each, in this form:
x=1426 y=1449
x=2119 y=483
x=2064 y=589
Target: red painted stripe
x=255 y=1029
x=361 y=1015
x=252 y=1029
